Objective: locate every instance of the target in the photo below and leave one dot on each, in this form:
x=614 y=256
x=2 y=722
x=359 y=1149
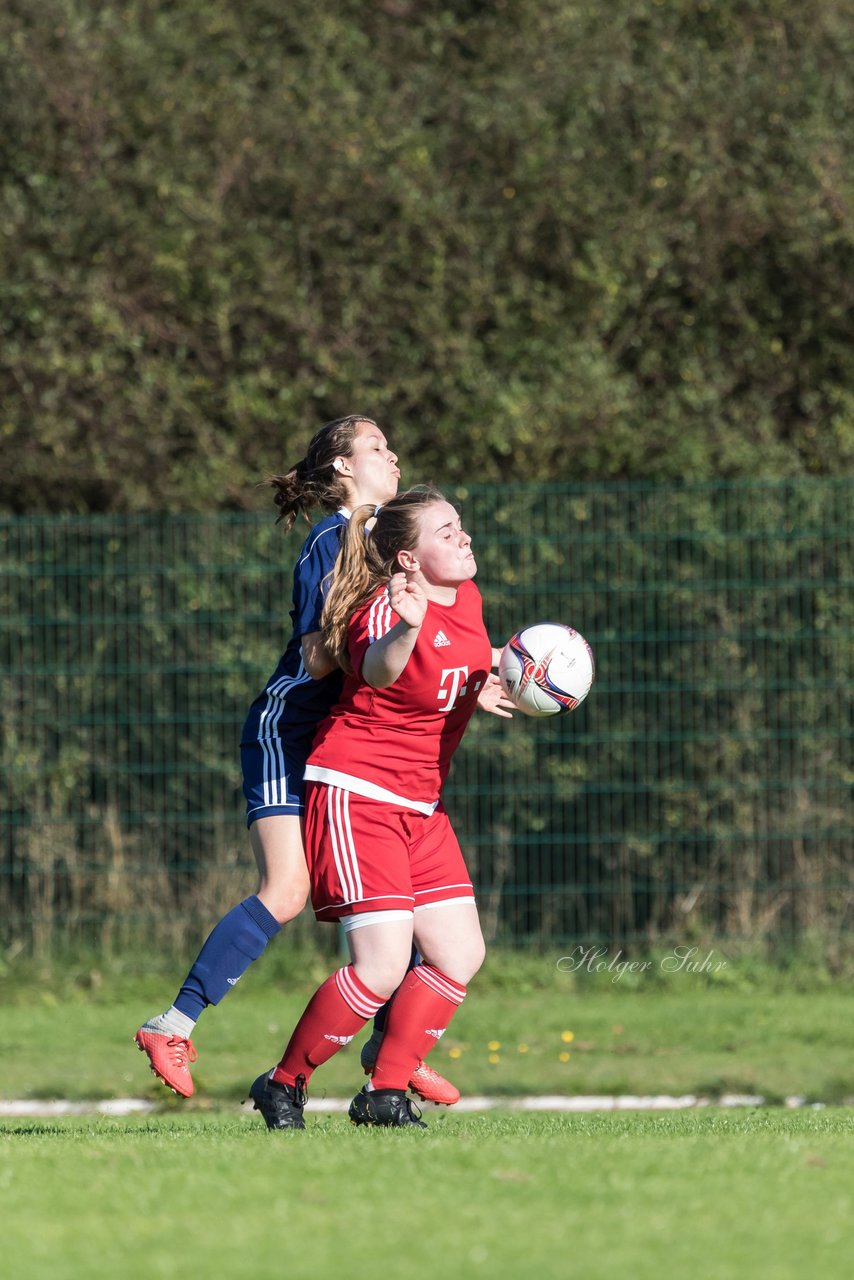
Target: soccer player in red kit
x=404 y=619
x=348 y=463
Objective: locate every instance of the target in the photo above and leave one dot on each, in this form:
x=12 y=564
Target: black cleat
x=281 y=1105
x=387 y=1107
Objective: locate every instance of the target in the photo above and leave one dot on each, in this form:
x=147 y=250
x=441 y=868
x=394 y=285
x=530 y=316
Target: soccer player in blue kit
x=348 y=464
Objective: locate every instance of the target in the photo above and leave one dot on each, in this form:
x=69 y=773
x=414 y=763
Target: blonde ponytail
x=352 y=582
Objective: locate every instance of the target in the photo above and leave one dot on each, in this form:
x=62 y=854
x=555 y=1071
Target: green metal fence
x=704 y=788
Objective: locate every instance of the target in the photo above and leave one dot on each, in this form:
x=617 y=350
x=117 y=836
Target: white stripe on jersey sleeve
x=380 y=619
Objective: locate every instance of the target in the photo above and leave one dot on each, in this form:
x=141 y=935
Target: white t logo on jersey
x=453 y=686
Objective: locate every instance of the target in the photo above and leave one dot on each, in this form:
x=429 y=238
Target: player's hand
x=493 y=698
x=407 y=599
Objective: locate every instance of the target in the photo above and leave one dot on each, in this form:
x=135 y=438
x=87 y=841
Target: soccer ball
x=546 y=669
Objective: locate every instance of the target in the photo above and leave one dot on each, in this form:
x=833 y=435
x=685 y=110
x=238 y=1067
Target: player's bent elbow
x=316 y=658
x=376 y=673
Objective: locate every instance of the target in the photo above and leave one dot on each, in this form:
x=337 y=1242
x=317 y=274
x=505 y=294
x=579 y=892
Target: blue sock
x=233 y=944
x=382 y=1013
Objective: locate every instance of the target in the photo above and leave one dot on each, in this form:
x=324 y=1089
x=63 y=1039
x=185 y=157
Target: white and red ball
x=546 y=669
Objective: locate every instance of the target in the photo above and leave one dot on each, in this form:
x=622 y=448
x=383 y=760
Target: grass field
x=525 y=1028
x=202 y=1188
x=703 y=1194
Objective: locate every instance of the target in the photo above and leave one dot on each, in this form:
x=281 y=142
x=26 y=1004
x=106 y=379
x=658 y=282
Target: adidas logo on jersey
x=342 y=1040
x=434 y=1032
x=440 y=640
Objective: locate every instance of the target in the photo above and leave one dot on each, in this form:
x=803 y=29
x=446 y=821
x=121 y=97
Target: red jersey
x=396 y=744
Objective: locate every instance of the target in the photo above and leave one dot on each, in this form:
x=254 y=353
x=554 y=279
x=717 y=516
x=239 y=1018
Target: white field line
x=548 y=1102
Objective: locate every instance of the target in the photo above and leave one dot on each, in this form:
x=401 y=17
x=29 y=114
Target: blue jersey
x=292 y=704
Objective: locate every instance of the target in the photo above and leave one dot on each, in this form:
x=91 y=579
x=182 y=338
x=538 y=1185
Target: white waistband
x=370 y=790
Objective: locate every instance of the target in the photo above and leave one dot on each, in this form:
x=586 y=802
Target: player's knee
x=471 y=953
x=469 y=958
x=286 y=902
x=478 y=955
x=382 y=977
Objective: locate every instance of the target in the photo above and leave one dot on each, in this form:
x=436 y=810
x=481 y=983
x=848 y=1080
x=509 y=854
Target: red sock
x=336 y=1011
x=419 y=1012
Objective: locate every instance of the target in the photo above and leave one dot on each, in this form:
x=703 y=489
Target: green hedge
x=543 y=240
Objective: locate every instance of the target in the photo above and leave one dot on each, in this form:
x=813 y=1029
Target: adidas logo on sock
x=440 y=639
x=434 y=1032
x=342 y=1040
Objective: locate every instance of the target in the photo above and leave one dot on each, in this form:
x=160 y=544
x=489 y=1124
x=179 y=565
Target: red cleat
x=431 y=1087
x=170 y=1058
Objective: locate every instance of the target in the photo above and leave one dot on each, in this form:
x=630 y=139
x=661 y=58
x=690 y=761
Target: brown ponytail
x=313 y=481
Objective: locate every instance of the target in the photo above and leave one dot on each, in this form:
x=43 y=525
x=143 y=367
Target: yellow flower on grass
x=455 y=1053
x=494 y=1058
x=564 y=1056
x=494 y=1046
x=567 y=1036
x=522 y=1048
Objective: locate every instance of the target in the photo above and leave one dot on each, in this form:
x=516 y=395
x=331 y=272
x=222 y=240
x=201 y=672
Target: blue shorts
x=272 y=778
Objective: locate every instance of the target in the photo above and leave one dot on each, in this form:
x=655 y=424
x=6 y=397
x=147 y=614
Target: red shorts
x=365 y=855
